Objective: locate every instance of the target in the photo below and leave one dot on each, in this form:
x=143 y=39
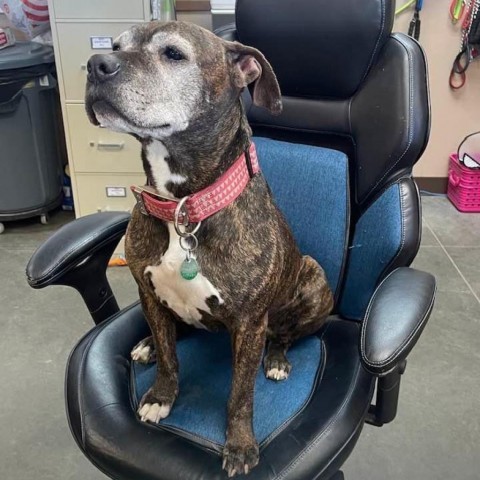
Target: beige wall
x=454 y=113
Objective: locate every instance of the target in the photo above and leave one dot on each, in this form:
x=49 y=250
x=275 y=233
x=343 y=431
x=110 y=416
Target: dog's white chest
x=185 y=297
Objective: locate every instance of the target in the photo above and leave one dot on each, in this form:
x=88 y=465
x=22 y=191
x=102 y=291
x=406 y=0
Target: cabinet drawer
x=93 y=193
x=103 y=9
x=96 y=149
x=75 y=48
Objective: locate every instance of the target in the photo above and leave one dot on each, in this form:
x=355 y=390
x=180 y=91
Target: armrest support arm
x=395 y=318
x=77 y=255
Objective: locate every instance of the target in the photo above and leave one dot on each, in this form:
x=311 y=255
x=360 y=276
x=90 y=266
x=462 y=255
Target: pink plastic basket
x=463 y=186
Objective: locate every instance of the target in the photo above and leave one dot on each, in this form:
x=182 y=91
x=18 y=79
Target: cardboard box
x=7 y=39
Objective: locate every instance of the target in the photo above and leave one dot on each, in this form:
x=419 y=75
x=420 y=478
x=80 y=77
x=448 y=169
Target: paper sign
x=116 y=192
x=101 y=43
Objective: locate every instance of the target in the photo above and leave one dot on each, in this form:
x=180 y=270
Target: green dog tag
x=189 y=269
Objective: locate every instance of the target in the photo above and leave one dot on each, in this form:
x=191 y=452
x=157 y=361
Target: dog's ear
x=251 y=68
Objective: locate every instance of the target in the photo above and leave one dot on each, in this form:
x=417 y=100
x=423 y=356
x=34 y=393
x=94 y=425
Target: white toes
x=272 y=373
x=154 y=412
x=277 y=374
x=141 y=353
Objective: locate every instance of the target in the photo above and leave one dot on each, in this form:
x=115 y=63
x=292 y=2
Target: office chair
x=339 y=162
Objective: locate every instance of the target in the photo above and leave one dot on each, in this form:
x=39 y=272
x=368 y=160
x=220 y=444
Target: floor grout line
x=454 y=264
x=471 y=247
x=424 y=222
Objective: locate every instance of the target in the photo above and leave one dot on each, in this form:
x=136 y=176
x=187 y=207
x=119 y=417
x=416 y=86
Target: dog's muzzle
x=101 y=68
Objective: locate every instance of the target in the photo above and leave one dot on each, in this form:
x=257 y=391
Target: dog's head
x=163 y=77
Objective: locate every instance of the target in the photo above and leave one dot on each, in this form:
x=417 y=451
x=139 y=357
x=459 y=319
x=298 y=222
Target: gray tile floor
x=435 y=436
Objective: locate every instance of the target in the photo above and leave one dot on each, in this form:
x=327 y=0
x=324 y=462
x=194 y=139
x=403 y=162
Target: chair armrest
x=77 y=255
x=397 y=313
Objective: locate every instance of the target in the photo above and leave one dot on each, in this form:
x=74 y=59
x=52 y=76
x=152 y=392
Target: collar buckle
x=149 y=190
x=137 y=193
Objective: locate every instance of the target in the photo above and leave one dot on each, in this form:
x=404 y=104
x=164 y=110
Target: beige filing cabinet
x=103 y=164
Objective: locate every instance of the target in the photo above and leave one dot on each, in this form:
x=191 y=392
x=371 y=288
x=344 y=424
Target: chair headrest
x=318 y=48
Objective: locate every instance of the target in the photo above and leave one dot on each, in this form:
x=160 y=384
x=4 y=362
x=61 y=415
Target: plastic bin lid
x=25 y=54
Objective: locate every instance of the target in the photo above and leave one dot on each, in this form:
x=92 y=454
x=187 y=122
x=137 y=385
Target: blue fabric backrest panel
x=205 y=375
x=377 y=240
x=310 y=186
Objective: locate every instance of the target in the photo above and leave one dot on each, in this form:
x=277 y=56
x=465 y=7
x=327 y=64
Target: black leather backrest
x=390 y=117
x=347 y=83
x=320 y=48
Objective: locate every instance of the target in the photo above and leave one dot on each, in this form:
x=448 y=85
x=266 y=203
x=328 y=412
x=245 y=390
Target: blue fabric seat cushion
x=205 y=375
x=310 y=186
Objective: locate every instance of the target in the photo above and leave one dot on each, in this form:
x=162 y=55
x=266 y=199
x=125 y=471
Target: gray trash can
x=32 y=152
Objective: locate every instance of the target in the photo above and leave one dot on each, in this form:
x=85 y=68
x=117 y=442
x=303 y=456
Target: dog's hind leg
x=144 y=351
x=303 y=315
x=275 y=363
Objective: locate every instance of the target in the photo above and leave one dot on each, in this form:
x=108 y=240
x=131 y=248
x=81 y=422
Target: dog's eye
x=173 y=54
x=116 y=47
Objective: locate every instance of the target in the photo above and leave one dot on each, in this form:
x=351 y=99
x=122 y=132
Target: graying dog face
x=161 y=77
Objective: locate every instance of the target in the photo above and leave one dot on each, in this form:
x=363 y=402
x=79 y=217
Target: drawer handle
x=108 y=146
x=83 y=66
x=107 y=209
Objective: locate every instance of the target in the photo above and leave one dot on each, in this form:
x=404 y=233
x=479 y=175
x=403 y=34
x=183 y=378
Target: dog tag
x=189 y=269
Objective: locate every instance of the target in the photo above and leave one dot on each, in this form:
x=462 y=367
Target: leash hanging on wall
x=466 y=12
x=457 y=9
x=415 y=23
x=414 y=28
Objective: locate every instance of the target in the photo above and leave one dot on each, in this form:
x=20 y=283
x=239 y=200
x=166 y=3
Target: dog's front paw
x=144 y=351
x=152 y=408
x=239 y=459
x=154 y=412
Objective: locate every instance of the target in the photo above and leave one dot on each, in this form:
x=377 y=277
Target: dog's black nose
x=102 y=67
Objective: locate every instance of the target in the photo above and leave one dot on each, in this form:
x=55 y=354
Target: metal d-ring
x=181 y=210
x=187 y=248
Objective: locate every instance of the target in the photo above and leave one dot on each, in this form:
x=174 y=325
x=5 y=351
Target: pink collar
x=206 y=202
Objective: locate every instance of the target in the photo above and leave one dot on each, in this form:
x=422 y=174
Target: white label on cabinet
x=116 y=192
x=101 y=43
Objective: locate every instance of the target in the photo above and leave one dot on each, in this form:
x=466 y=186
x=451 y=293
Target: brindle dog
x=176 y=87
